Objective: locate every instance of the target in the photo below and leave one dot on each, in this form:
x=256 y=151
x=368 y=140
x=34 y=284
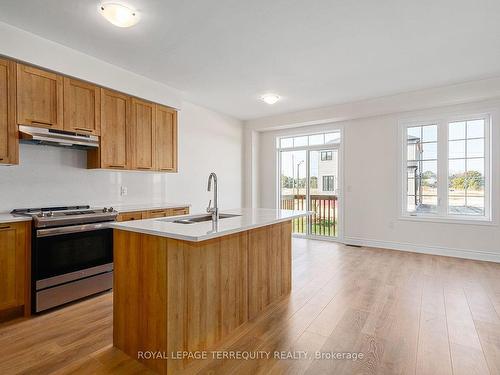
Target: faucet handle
x=209 y=208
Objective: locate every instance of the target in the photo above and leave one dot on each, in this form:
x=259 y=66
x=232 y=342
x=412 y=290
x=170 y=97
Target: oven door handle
x=71 y=229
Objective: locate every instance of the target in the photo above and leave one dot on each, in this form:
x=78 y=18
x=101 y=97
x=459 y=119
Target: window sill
x=447 y=220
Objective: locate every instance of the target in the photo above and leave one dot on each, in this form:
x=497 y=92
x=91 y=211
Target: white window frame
x=329 y=128
x=442 y=214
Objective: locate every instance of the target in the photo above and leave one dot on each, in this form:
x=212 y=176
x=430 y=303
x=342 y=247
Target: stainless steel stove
x=72 y=253
x=61 y=216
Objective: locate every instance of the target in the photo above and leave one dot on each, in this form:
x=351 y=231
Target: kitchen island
x=184 y=285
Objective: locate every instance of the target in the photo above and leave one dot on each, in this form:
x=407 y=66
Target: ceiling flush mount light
x=118 y=14
x=270 y=98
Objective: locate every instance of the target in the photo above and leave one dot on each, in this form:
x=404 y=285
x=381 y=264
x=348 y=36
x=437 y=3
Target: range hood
x=59 y=138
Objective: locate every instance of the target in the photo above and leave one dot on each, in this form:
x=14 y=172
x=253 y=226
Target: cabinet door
x=143 y=134
x=39 y=98
x=13 y=260
x=178 y=211
x=156 y=213
x=82 y=107
x=166 y=139
x=9 y=144
x=114 y=148
x=129 y=216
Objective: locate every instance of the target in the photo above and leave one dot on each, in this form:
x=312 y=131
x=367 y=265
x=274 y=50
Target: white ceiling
x=224 y=53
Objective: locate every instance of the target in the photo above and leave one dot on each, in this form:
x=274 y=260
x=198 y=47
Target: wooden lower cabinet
x=167 y=212
x=128 y=216
x=155 y=213
x=269 y=258
x=163 y=212
x=172 y=295
x=14 y=269
x=178 y=211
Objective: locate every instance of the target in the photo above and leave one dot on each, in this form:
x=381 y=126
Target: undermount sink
x=197 y=218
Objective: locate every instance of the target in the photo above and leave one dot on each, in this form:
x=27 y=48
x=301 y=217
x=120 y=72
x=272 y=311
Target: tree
x=291 y=183
x=429 y=179
x=287 y=182
x=314 y=182
x=472 y=180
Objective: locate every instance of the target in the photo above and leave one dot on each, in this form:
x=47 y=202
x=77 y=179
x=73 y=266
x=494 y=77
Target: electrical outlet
x=123 y=191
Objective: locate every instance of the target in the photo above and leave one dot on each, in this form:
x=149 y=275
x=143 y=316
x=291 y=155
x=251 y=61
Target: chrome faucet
x=215 y=209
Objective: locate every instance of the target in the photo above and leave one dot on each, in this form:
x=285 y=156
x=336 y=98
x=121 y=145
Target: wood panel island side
x=187 y=287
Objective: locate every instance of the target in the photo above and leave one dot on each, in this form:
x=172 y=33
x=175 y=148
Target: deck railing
x=324 y=220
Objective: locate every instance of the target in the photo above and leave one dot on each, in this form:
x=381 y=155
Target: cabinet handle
x=40 y=122
x=5 y=227
x=84 y=130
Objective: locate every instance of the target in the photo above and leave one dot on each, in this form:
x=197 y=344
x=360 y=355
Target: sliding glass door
x=322 y=195
x=309 y=180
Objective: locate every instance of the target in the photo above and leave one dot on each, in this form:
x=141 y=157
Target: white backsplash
x=50 y=176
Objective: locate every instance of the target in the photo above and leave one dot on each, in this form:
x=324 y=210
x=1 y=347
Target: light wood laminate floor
x=407 y=313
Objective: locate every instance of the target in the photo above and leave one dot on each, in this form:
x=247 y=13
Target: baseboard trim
x=424 y=249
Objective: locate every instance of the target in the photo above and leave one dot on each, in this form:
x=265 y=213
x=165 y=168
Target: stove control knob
x=50 y=213
x=111 y=209
x=104 y=209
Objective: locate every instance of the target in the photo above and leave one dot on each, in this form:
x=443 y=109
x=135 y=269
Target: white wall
x=371 y=214
x=208 y=141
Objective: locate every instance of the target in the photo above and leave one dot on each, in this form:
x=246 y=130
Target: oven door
x=68 y=250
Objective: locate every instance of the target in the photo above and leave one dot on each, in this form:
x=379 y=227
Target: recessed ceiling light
x=270 y=98
x=119 y=15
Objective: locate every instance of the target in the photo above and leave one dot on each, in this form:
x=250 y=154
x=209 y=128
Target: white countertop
x=249 y=219
x=121 y=208
x=8 y=218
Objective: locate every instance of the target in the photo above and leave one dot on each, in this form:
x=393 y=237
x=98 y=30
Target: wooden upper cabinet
x=9 y=145
x=166 y=139
x=115 y=139
x=39 y=98
x=142 y=123
x=134 y=133
x=14 y=239
x=82 y=107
